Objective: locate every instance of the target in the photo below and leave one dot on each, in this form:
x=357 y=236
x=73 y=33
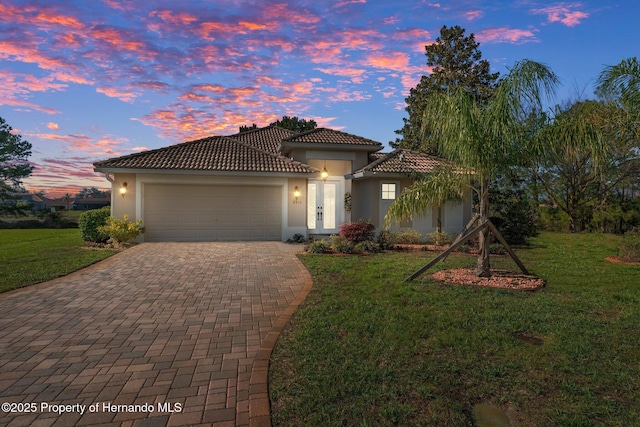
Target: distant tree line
x=581 y=171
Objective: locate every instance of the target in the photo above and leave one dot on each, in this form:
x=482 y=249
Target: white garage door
x=212 y=212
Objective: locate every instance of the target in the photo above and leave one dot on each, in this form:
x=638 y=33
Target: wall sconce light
x=123 y=189
x=296 y=195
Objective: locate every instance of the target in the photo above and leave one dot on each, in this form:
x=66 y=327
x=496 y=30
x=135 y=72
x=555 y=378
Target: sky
x=84 y=81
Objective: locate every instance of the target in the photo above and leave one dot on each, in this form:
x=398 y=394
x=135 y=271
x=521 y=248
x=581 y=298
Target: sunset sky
x=89 y=80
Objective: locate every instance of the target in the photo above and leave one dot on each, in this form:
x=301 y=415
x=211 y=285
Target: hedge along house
x=266 y=184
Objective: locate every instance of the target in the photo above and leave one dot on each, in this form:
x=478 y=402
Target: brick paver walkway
x=182 y=330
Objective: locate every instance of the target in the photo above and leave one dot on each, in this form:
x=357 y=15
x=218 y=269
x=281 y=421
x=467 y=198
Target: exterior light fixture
x=296 y=196
x=324 y=174
x=123 y=189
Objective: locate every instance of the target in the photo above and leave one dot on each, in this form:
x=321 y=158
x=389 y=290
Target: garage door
x=208 y=213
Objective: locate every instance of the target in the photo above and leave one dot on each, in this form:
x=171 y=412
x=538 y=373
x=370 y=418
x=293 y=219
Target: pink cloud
x=505 y=35
x=112 y=92
x=564 y=13
x=472 y=15
x=348 y=2
x=28 y=105
x=52 y=126
x=397 y=61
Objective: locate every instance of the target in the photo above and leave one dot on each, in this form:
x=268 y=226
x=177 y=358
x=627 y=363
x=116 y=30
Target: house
x=89 y=203
x=267 y=184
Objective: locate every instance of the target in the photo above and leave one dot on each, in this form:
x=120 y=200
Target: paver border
x=259 y=403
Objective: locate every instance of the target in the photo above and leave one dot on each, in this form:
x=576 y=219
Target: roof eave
x=201 y=172
x=369 y=174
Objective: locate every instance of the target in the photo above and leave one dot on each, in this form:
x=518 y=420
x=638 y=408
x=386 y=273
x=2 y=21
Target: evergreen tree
x=292 y=123
x=456 y=62
x=14 y=166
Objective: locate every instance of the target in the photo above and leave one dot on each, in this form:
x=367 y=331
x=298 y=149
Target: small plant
x=318 y=247
x=121 y=230
x=439 y=238
x=385 y=240
x=408 y=237
x=340 y=245
x=496 y=249
x=464 y=248
x=630 y=247
x=367 y=246
x=90 y=221
x=296 y=238
x=358 y=231
x=347 y=201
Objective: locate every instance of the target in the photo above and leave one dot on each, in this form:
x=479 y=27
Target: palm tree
x=622 y=81
x=66 y=199
x=487 y=139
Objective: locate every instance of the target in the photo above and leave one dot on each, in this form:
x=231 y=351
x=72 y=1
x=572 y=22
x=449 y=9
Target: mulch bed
x=502 y=279
x=619 y=260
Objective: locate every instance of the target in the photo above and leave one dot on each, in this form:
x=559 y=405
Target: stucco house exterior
x=267 y=184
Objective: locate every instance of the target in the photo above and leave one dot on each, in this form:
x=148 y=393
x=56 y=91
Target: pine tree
x=456 y=62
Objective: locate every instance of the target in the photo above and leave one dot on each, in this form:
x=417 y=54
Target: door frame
x=313 y=207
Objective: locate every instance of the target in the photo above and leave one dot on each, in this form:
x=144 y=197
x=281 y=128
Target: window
x=388 y=191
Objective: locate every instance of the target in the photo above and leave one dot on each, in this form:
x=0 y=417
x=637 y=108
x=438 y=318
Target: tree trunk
x=483 y=268
x=439 y=225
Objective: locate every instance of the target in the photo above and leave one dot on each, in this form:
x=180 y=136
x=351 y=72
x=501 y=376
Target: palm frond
x=434 y=190
x=622 y=81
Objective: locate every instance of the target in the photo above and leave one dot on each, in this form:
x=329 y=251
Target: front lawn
x=36 y=255
x=367 y=349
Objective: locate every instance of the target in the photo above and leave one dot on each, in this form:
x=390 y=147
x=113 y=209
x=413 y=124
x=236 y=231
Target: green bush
x=318 y=247
x=90 y=221
x=340 y=245
x=121 y=230
x=296 y=238
x=497 y=249
x=630 y=247
x=439 y=238
x=408 y=237
x=385 y=240
x=368 y=246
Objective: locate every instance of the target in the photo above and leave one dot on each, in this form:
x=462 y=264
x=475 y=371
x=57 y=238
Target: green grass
x=367 y=349
x=33 y=256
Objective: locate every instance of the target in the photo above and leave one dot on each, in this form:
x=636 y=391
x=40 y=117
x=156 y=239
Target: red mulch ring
x=618 y=260
x=502 y=279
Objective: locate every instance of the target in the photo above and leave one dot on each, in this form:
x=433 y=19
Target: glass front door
x=324 y=207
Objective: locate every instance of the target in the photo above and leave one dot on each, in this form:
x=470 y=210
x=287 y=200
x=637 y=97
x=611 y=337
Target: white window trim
x=383 y=192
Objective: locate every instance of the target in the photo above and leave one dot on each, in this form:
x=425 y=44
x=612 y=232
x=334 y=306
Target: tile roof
x=216 y=153
x=330 y=136
x=266 y=138
x=403 y=161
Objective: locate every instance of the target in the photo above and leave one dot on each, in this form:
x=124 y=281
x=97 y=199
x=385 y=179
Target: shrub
x=408 y=237
x=385 y=240
x=439 y=238
x=318 y=247
x=630 y=247
x=497 y=249
x=367 y=246
x=90 y=221
x=296 y=238
x=340 y=245
x=121 y=230
x=358 y=231
x=464 y=248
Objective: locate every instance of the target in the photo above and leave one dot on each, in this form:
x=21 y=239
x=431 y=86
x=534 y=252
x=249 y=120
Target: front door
x=324 y=206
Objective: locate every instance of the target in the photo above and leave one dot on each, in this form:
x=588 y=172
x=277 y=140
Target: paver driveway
x=182 y=327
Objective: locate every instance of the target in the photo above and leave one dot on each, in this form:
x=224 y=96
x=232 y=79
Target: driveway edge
x=259 y=404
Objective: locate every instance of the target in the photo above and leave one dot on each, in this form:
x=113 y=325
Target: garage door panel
x=207 y=212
